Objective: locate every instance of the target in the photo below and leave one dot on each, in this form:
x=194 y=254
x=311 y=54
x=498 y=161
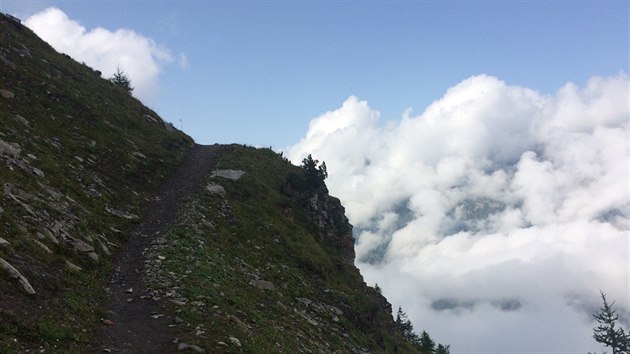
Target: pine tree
x=120 y=79
x=427 y=345
x=606 y=333
x=443 y=349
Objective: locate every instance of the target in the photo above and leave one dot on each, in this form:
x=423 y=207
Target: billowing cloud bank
x=495 y=216
x=140 y=57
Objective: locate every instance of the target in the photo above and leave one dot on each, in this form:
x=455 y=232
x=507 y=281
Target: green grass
x=260 y=231
x=71 y=112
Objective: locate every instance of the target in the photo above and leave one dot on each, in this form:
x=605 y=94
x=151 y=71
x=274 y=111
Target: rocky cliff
x=119 y=235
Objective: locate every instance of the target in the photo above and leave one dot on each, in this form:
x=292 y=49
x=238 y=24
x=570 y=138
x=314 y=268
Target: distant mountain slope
x=260 y=262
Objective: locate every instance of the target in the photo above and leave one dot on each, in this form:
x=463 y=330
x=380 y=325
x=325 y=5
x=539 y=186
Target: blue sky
x=493 y=212
x=260 y=71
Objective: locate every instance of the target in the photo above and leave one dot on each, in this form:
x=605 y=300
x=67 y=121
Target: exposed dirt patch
x=135 y=326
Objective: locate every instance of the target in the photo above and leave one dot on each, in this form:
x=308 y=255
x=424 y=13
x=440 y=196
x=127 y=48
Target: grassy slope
x=205 y=264
x=97 y=152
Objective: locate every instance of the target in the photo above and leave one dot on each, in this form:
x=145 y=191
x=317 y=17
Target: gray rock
x=93 y=256
x=263 y=284
x=138 y=154
x=15 y=274
x=6 y=94
x=190 y=347
x=38 y=172
x=4 y=243
x=235 y=341
x=233 y=175
x=10 y=148
x=81 y=246
x=72 y=266
x=20 y=119
x=50 y=236
x=43 y=246
x=214 y=188
x=105 y=249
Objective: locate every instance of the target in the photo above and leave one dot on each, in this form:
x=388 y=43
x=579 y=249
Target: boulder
x=15 y=274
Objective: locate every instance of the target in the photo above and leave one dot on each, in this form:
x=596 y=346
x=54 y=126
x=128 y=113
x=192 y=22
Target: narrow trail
x=133 y=329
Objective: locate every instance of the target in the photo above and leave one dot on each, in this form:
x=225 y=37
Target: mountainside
x=120 y=234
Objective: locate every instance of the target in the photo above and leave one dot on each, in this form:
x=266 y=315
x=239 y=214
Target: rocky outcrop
x=328 y=213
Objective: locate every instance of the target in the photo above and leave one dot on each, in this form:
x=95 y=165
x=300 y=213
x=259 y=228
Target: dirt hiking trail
x=132 y=328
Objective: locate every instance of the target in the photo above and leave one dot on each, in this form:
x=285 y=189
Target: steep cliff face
x=328 y=213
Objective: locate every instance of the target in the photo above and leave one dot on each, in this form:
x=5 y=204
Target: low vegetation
x=262 y=263
x=80 y=158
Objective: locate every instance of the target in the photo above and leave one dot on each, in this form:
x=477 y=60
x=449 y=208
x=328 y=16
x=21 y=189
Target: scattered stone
x=73 y=267
x=177 y=320
x=105 y=249
x=93 y=256
x=156 y=316
x=161 y=258
x=233 y=175
x=191 y=347
x=6 y=94
x=78 y=158
x=15 y=274
x=222 y=344
x=10 y=148
x=263 y=284
x=4 y=243
x=214 y=188
x=38 y=172
x=129 y=291
x=82 y=246
x=108 y=322
x=138 y=154
x=50 y=236
x=150 y=118
x=235 y=341
x=238 y=323
x=121 y=214
x=43 y=246
x=20 y=119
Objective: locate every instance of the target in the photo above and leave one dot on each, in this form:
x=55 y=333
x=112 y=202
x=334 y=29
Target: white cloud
x=140 y=57
x=495 y=216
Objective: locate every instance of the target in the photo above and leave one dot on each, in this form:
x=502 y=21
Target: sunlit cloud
x=140 y=57
x=493 y=212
